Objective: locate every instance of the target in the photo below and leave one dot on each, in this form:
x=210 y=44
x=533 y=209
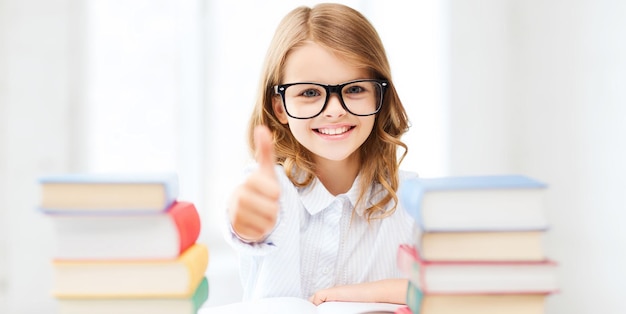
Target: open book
x=291 y=305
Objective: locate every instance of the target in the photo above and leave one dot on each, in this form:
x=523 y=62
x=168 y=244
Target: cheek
x=298 y=128
x=368 y=124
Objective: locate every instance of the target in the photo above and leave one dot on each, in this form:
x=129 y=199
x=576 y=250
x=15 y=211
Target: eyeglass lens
x=305 y=100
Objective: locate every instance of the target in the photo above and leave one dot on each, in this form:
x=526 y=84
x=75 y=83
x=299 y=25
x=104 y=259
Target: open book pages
x=289 y=305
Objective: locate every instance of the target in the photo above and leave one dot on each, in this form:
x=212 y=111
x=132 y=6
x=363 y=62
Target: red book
x=461 y=277
x=162 y=235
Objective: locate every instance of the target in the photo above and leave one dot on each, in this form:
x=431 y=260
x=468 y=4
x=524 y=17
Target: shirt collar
x=315 y=197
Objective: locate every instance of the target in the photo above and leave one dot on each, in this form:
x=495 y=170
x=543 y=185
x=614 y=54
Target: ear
x=279 y=110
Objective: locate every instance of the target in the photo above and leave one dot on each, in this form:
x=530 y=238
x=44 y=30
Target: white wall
x=573 y=103
x=37 y=132
x=478 y=113
x=3 y=153
x=537 y=87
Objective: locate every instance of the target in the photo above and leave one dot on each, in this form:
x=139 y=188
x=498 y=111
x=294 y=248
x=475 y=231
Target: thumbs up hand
x=253 y=207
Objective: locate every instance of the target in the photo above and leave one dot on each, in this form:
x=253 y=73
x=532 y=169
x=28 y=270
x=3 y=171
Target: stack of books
x=125 y=244
x=479 y=245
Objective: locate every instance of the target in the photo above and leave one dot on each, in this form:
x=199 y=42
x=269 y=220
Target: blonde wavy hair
x=351 y=36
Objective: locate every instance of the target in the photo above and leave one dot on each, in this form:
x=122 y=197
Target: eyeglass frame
x=333 y=89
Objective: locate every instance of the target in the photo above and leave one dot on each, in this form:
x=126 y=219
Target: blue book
x=107 y=193
x=476 y=203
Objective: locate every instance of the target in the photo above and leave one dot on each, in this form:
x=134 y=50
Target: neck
x=338 y=176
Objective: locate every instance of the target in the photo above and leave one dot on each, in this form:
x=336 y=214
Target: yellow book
x=132 y=279
x=138 y=305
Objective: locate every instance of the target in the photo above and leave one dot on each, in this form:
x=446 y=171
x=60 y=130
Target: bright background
x=491 y=86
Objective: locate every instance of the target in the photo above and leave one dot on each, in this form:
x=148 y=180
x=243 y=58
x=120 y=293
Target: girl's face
x=335 y=134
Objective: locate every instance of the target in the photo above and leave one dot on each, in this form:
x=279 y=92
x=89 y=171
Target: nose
x=334 y=107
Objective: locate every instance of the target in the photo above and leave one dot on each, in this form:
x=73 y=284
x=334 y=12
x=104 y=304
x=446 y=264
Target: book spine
x=410 y=264
x=414 y=297
x=187 y=221
x=201 y=294
x=403 y=310
x=405 y=259
x=196 y=259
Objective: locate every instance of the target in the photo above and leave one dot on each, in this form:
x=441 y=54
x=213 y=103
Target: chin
x=337 y=157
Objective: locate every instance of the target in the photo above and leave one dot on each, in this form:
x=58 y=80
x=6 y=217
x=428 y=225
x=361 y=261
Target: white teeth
x=334 y=131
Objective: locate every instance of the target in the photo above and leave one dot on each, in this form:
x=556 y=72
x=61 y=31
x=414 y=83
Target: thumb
x=264 y=147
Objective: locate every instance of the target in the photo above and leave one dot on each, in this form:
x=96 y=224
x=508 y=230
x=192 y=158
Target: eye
x=310 y=93
x=354 y=89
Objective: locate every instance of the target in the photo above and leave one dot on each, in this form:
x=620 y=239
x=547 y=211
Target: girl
x=319 y=216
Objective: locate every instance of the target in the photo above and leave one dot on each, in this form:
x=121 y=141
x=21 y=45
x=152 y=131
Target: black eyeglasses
x=308 y=100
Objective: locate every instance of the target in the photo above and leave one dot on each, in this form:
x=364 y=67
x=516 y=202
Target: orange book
x=163 y=235
x=132 y=279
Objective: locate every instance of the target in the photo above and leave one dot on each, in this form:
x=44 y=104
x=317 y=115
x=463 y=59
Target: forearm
x=389 y=291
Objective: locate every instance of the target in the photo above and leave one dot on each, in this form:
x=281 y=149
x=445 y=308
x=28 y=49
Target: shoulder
x=284 y=180
x=404 y=175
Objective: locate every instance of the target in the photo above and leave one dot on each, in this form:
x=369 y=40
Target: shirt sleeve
x=242 y=246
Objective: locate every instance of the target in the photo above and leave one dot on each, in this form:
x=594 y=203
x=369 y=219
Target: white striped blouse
x=319 y=243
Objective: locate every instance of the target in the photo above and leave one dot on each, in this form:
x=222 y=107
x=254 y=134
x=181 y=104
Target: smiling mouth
x=334 y=131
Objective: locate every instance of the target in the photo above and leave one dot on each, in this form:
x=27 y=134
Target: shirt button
x=326 y=270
